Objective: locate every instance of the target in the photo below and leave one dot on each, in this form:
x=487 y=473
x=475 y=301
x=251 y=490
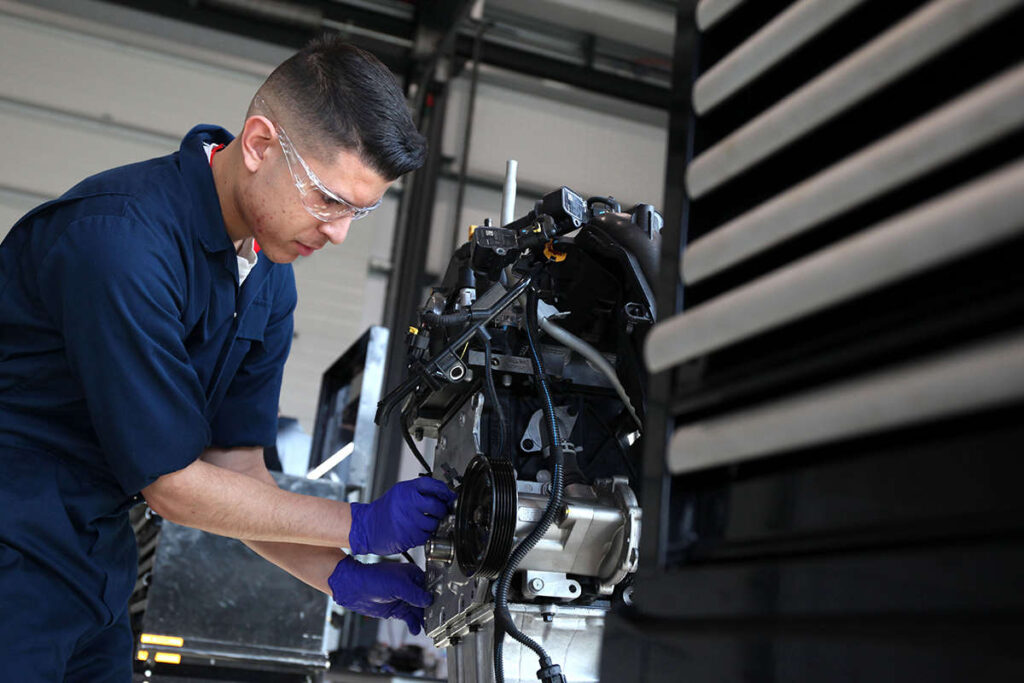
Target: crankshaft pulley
x=485 y=517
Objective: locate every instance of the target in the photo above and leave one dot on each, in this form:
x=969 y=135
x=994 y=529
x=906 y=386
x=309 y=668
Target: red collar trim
x=214 y=151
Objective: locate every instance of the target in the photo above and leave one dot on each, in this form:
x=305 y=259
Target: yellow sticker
x=167 y=658
x=167 y=641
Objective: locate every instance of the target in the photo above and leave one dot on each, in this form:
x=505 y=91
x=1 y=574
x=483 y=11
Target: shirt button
x=235 y=314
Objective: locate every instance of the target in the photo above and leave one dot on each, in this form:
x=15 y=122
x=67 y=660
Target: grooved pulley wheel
x=485 y=517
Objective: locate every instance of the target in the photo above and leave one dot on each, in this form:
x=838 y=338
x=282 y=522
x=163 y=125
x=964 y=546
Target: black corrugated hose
x=433 y=319
x=503 y=623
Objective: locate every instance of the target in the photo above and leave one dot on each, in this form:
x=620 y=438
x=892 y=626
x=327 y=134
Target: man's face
x=273 y=205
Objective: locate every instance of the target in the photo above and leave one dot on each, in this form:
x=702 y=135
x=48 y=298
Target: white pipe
x=332 y=462
x=508 y=193
x=594 y=356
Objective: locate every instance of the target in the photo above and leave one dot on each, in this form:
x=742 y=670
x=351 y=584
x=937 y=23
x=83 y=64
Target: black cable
x=610 y=202
x=492 y=395
x=499 y=653
x=432 y=319
x=427 y=469
x=387 y=404
x=502 y=618
x=492 y=391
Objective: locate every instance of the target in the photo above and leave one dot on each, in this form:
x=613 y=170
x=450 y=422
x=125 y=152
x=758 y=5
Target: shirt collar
x=213 y=234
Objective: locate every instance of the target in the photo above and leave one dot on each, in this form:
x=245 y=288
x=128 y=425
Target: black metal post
x=467 y=135
x=409 y=253
x=669 y=293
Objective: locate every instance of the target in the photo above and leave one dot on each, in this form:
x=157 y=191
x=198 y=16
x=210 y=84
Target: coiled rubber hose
x=502 y=618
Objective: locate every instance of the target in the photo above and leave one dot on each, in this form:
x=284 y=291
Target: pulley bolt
x=439 y=550
x=536 y=585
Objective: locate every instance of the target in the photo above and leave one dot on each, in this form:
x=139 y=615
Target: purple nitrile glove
x=402 y=518
x=381 y=590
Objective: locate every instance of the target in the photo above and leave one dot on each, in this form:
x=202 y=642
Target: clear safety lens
x=316 y=198
x=320 y=202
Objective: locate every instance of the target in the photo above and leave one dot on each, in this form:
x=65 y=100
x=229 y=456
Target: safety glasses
x=320 y=202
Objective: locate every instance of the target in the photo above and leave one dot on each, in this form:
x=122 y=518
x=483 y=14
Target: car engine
x=525 y=374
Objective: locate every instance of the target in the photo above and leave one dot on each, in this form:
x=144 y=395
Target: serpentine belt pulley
x=485 y=517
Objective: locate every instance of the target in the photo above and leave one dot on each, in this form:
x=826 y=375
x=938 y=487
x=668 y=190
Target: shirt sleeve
x=116 y=290
x=248 y=414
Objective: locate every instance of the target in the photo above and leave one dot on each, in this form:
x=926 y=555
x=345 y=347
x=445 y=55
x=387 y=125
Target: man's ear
x=257 y=139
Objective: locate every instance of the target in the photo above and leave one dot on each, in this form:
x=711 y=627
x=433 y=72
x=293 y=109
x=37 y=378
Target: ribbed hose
x=499 y=657
x=433 y=319
x=503 y=620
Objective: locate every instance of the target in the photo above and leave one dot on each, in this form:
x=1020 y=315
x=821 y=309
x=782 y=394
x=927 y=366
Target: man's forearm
x=230 y=503
x=309 y=563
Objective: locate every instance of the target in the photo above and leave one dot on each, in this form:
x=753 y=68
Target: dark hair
x=337 y=95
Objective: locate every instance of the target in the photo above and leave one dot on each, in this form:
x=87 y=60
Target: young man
x=142 y=343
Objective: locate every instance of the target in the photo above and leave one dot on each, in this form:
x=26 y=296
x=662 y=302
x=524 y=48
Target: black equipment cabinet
x=831 y=488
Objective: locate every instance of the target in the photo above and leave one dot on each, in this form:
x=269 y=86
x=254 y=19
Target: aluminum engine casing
x=595 y=535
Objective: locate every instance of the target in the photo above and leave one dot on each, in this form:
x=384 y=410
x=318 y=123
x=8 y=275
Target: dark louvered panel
x=838 y=494
x=828 y=222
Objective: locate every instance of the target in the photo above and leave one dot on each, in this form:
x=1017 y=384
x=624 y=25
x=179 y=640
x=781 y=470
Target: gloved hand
x=402 y=518
x=381 y=590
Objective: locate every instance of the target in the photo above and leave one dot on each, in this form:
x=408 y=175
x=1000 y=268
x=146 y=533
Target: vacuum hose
x=502 y=618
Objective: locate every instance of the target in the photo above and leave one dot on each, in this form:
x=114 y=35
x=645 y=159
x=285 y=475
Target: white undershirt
x=246 y=259
x=246 y=254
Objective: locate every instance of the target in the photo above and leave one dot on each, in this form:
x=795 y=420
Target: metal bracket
x=532 y=440
x=538 y=584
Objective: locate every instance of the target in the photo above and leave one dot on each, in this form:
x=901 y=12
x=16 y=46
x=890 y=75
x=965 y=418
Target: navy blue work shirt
x=127 y=347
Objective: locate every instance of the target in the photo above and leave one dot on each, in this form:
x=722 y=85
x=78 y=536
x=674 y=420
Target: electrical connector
x=551 y=674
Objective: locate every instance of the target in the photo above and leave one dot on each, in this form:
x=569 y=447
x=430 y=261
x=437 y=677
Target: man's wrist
x=357 y=542
x=341 y=570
